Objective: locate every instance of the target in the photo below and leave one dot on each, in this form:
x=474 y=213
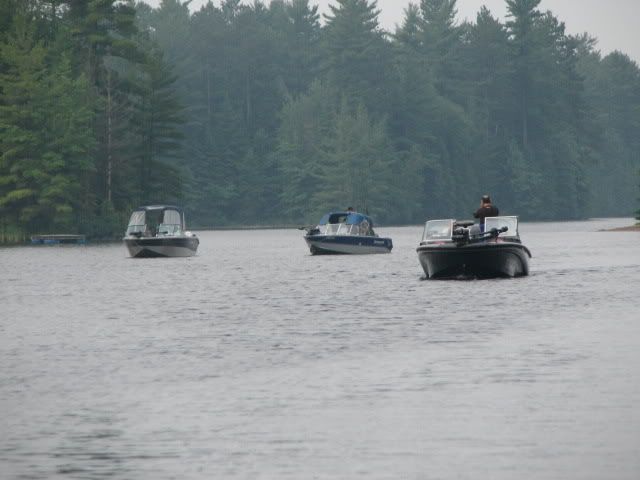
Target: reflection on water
x=256 y=360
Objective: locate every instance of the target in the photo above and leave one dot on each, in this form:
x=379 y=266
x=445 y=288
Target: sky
x=615 y=23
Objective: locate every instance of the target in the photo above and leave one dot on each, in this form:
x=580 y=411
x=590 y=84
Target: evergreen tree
x=428 y=124
x=356 y=54
x=158 y=119
x=488 y=52
x=638 y=211
x=44 y=142
x=357 y=167
x=307 y=124
x=302 y=40
x=442 y=44
x=248 y=113
x=105 y=48
x=526 y=56
x=613 y=93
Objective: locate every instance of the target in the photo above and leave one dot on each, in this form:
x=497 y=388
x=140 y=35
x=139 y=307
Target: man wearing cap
x=487 y=209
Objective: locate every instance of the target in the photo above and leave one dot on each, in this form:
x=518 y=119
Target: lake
x=256 y=360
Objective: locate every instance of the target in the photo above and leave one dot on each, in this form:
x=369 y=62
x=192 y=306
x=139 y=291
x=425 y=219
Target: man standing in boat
x=487 y=209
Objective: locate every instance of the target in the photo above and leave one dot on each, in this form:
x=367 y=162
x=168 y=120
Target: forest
x=257 y=114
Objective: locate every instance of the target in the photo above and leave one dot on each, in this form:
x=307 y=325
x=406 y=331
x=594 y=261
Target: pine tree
x=307 y=124
x=523 y=14
x=302 y=45
x=44 y=143
x=105 y=50
x=613 y=94
x=638 y=211
x=357 y=167
x=425 y=122
x=356 y=55
x=158 y=120
x=489 y=59
x=442 y=42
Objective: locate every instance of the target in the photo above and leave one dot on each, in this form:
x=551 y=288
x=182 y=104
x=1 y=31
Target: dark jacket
x=487 y=210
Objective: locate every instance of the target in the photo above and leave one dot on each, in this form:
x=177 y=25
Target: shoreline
x=630 y=228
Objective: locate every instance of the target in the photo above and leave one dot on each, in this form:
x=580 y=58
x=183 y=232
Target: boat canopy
x=167 y=219
x=348 y=218
x=158 y=208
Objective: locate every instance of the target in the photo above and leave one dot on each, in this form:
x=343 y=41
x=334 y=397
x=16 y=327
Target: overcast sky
x=616 y=23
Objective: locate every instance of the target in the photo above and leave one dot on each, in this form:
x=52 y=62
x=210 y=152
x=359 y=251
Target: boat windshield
x=498 y=222
x=340 y=229
x=346 y=223
x=137 y=222
x=171 y=223
x=437 y=230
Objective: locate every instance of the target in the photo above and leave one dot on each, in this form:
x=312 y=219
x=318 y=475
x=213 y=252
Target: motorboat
x=345 y=233
x=451 y=249
x=159 y=231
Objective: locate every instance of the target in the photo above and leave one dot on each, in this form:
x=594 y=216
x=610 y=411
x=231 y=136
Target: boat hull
x=162 y=247
x=482 y=260
x=347 y=244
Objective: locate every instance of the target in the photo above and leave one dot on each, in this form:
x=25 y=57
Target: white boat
x=159 y=231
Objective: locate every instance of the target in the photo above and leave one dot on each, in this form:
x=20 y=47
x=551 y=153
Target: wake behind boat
x=452 y=249
x=346 y=233
x=159 y=231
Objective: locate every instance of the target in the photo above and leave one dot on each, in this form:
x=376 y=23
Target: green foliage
x=103 y=223
x=638 y=211
x=255 y=113
x=157 y=119
x=45 y=145
x=302 y=150
x=612 y=92
x=356 y=56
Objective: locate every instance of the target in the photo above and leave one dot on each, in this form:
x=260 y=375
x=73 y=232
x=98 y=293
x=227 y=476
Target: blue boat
x=346 y=233
x=58 y=239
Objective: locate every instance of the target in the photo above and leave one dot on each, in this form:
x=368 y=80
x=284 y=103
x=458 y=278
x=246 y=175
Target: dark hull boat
x=346 y=233
x=451 y=250
x=159 y=231
x=481 y=261
x=162 y=247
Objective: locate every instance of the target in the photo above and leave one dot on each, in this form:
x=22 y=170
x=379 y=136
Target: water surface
x=255 y=360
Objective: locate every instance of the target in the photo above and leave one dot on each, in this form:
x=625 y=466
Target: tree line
x=256 y=114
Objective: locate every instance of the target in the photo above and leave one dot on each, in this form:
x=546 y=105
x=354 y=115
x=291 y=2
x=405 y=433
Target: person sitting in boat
x=364 y=228
x=487 y=209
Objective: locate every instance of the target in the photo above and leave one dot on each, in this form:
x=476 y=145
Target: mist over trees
x=267 y=113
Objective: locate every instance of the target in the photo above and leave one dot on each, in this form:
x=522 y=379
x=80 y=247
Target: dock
x=58 y=239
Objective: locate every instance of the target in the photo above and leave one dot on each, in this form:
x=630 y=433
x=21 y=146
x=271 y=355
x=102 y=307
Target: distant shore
x=630 y=228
